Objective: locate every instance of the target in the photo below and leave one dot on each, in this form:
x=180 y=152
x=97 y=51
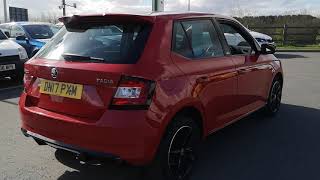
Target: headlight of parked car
x=261 y=40
x=22 y=54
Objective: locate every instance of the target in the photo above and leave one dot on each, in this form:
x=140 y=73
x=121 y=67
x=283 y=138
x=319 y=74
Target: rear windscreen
x=111 y=43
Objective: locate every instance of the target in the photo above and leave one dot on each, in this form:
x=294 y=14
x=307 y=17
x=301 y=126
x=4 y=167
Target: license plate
x=62 y=89
x=7 y=67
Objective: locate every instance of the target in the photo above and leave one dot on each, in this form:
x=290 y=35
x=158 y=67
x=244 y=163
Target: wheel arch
x=279 y=76
x=194 y=113
x=194 y=110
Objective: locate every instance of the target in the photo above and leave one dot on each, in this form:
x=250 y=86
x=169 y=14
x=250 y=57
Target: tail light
x=133 y=93
x=27 y=79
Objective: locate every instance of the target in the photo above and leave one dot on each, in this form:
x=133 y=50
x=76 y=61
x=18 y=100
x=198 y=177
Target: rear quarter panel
x=172 y=86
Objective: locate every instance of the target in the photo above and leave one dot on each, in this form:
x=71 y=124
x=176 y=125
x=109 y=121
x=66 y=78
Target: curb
x=298 y=50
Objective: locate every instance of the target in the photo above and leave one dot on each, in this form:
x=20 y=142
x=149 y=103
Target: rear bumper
x=41 y=140
x=125 y=135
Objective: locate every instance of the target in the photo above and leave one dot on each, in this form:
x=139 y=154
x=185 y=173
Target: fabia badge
x=54 y=73
x=104 y=81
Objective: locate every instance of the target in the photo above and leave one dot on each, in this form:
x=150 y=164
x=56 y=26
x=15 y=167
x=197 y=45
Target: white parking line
x=9 y=102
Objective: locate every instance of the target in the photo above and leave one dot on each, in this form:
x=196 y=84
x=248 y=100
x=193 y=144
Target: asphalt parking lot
x=257 y=148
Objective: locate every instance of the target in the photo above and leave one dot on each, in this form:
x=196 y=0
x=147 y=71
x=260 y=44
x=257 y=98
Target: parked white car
x=12 y=58
x=263 y=38
x=235 y=39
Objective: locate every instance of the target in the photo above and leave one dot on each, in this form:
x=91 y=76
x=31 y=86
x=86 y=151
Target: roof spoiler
x=80 y=21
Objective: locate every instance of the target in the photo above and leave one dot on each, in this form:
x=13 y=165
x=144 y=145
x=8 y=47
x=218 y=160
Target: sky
x=226 y=7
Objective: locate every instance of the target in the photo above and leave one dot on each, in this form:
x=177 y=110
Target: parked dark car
x=30 y=35
x=148 y=93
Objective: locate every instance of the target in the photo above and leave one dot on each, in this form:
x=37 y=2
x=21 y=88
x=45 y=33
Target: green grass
x=307 y=47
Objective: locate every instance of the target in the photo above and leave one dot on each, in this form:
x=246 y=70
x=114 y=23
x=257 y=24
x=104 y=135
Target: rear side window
x=111 y=43
x=181 y=44
x=202 y=38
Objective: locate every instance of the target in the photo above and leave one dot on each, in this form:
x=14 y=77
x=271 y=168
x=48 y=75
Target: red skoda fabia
x=146 y=89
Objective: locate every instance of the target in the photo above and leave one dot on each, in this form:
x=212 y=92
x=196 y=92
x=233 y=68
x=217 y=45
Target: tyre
x=177 y=152
x=274 y=100
x=17 y=78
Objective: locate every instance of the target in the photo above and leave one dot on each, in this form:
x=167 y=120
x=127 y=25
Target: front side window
x=236 y=40
x=112 y=44
x=2 y=36
x=5 y=28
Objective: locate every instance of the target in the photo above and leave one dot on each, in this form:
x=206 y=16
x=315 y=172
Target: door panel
x=254 y=71
x=213 y=78
x=253 y=80
x=214 y=82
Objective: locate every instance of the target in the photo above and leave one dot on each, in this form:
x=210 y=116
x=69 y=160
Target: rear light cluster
x=27 y=79
x=133 y=93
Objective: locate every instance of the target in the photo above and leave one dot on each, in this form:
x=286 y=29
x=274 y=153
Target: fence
x=291 y=35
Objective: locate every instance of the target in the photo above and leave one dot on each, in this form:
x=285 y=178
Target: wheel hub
x=276 y=94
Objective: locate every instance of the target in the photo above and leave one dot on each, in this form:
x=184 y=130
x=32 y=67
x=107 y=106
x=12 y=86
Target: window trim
x=245 y=33
x=173 y=40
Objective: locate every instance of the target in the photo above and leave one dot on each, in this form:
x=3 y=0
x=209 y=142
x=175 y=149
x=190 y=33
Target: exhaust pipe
x=24 y=132
x=40 y=142
x=83 y=158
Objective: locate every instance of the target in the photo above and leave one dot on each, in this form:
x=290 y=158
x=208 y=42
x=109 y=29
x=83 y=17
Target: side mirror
x=267 y=49
x=21 y=38
x=7 y=34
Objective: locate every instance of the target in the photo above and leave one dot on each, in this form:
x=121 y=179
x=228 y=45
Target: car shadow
x=289 y=56
x=283 y=147
x=11 y=95
x=257 y=147
x=7 y=83
x=110 y=170
x=10 y=91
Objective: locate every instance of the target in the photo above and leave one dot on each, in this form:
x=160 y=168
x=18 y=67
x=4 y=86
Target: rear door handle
x=203 y=79
x=243 y=71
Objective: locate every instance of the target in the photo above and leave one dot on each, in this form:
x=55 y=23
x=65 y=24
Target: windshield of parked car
x=112 y=44
x=40 y=31
x=55 y=29
x=2 y=36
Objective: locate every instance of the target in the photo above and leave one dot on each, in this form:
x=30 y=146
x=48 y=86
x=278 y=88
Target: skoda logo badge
x=54 y=73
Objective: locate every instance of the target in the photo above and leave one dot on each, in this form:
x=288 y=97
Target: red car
x=146 y=89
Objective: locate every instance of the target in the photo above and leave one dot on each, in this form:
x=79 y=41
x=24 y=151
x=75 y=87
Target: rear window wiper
x=79 y=58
